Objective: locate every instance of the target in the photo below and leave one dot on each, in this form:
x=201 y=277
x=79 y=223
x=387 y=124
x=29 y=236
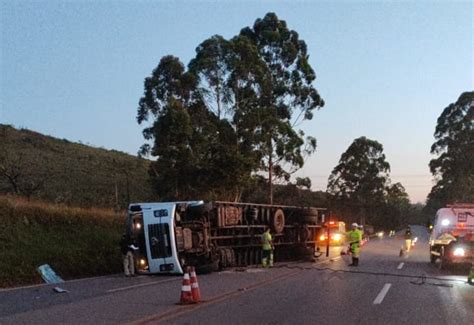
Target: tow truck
x=452 y=236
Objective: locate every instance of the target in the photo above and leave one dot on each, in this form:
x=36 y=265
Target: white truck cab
x=450 y=239
x=154 y=226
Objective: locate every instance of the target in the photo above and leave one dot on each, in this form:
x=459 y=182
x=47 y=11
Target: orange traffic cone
x=195 y=286
x=186 y=295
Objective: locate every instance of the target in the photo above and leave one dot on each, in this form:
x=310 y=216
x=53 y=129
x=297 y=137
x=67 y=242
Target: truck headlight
x=459 y=251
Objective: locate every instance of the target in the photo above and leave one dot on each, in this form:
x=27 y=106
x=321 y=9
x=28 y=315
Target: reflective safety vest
x=354 y=237
x=266 y=239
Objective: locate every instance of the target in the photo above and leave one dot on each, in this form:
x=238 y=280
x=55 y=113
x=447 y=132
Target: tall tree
x=397 y=207
x=287 y=97
x=358 y=183
x=243 y=99
x=454 y=167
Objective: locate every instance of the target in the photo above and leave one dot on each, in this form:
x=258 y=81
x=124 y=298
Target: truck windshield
x=159 y=240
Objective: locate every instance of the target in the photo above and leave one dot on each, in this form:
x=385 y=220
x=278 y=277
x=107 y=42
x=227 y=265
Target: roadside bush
x=75 y=242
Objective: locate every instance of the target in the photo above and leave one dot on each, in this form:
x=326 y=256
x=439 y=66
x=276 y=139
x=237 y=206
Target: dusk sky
x=386 y=69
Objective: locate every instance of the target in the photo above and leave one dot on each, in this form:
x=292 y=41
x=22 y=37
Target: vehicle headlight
x=445 y=222
x=138 y=225
x=459 y=251
x=322 y=237
x=142 y=262
x=337 y=237
x=380 y=234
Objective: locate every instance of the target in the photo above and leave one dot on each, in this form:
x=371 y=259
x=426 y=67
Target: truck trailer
x=215 y=235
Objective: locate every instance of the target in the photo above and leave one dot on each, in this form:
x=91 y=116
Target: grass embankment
x=75 y=242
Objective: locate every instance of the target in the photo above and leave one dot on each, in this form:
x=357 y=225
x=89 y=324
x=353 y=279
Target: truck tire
x=312 y=219
x=308 y=212
x=278 y=221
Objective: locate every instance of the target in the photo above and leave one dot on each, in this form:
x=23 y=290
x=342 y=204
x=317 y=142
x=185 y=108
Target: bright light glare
x=445 y=222
x=337 y=237
x=142 y=262
x=380 y=234
x=322 y=237
x=459 y=251
x=138 y=225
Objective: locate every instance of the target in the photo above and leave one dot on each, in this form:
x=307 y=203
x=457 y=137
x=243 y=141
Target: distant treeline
x=54 y=170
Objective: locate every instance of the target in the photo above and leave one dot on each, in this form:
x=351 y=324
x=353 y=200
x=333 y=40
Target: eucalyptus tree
x=358 y=183
x=454 y=146
x=239 y=106
x=286 y=96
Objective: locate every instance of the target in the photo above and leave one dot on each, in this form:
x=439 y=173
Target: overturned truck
x=215 y=235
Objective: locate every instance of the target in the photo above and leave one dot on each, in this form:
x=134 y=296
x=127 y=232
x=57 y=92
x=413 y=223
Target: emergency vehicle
x=337 y=233
x=452 y=236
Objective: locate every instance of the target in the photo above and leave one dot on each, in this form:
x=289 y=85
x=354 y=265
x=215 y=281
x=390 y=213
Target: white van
x=451 y=239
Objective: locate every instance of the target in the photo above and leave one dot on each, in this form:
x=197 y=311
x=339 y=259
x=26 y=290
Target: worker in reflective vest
x=267 y=248
x=354 y=238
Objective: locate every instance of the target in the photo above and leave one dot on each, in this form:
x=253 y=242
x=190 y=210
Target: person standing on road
x=127 y=248
x=354 y=237
x=408 y=239
x=267 y=248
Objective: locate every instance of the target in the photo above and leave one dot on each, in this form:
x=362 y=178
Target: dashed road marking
x=378 y=300
x=400 y=265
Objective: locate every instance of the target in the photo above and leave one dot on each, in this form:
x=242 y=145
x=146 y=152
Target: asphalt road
x=384 y=289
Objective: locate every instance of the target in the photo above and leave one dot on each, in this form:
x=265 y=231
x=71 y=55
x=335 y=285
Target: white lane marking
x=400 y=265
x=378 y=300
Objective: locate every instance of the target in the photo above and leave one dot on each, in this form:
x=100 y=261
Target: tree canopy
x=453 y=168
x=360 y=186
x=231 y=114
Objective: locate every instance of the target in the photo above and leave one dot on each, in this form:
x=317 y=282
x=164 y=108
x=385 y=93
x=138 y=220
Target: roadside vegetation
x=75 y=242
x=37 y=166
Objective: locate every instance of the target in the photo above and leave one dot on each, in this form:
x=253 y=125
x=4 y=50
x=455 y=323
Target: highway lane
x=383 y=292
x=324 y=292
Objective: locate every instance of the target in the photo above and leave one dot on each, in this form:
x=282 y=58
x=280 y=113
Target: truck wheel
x=308 y=212
x=278 y=221
x=433 y=258
x=310 y=219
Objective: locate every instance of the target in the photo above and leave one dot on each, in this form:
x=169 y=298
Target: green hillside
x=60 y=171
x=75 y=242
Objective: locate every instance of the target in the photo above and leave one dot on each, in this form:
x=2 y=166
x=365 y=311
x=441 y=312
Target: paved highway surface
x=384 y=289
